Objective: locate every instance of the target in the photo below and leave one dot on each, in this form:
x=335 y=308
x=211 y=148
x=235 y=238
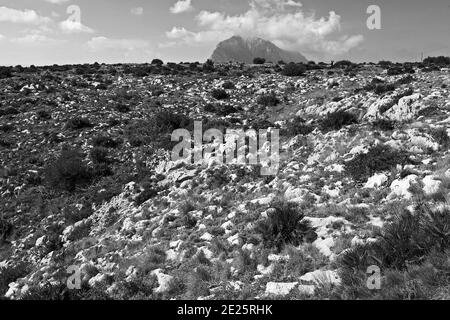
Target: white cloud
x=70 y=26
x=194 y=38
x=138 y=11
x=21 y=16
x=2 y=37
x=57 y=1
x=120 y=50
x=35 y=39
x=280 y=5
x=103 y=43
x=182 y=6
x=282 y=22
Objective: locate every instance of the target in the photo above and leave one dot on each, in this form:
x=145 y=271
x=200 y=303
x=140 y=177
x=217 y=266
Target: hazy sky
x=51 y=31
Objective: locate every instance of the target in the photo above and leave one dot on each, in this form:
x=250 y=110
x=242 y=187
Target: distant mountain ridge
x=238 y=49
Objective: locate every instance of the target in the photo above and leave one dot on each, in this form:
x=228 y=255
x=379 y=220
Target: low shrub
x=226 y=110
x=113 y=122
x=261 y=124
x=157 y=130
x=219 y=94
x=5 y=144
x=157 y=62
x=68 y=171
x=122 y=108
x=7 y=128
x=384 y=125
x=123 y=94
x=217 y=177
x=12 y=273
x=6 y=229
x=219 y=124
x=298 y=126
x=60 y=292
x=78 y=123
x=284 y=225
x=105 y=142
x=294 y=70
x=148 y=193
x=379 y=158
x=208 y=66
x=245 y=263
x=154 y=257
x=441 y=60
x=140 y=288
x=167 y=121
x=412 y=250
x=440 y=135
x=228 y=85
x=399 y=70
x=405 y=80
x=210 y=107
x=268 y=100
x=73 y=214
x=43 y=115
x=156 y=90
x=385 y=64
x=9 y=111
x=99 y=155
x=384 y=88
x=197 y=284
x=343 y=64
x=5 y=72
x=259 y=61
x=337 y=120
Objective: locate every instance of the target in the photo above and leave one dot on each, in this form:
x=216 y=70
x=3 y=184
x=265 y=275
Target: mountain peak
x=245 y=49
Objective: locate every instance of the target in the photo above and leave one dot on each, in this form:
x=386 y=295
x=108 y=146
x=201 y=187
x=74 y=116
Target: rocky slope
x=238 y=49
x=362 y=153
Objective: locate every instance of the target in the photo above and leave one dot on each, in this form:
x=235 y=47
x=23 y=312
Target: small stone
x=430 y=185
x=206 y=237
x=279 y=288
x=164 y=281
x=376 y=181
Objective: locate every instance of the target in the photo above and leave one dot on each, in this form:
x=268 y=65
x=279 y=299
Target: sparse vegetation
x=337 y=120
x=12 y=273
x=68 y=171
x=441 y=137
x=294 y=70
x=259 y=61
x=78 y=123
x=378 y=159
x=412 y=251
x=105 y=142
x=219 y=94
x=9 y=111
x=228 y=85
x=298 y=126
x=441 y=60
x=87 y=177
x=268 y=100
x=384 y=125
x=284 y=225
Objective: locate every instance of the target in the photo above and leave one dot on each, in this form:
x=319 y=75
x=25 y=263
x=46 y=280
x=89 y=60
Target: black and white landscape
x=121 y=180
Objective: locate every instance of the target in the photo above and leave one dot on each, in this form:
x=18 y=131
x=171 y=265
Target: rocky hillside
x=238 y=49
x=86 y=180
